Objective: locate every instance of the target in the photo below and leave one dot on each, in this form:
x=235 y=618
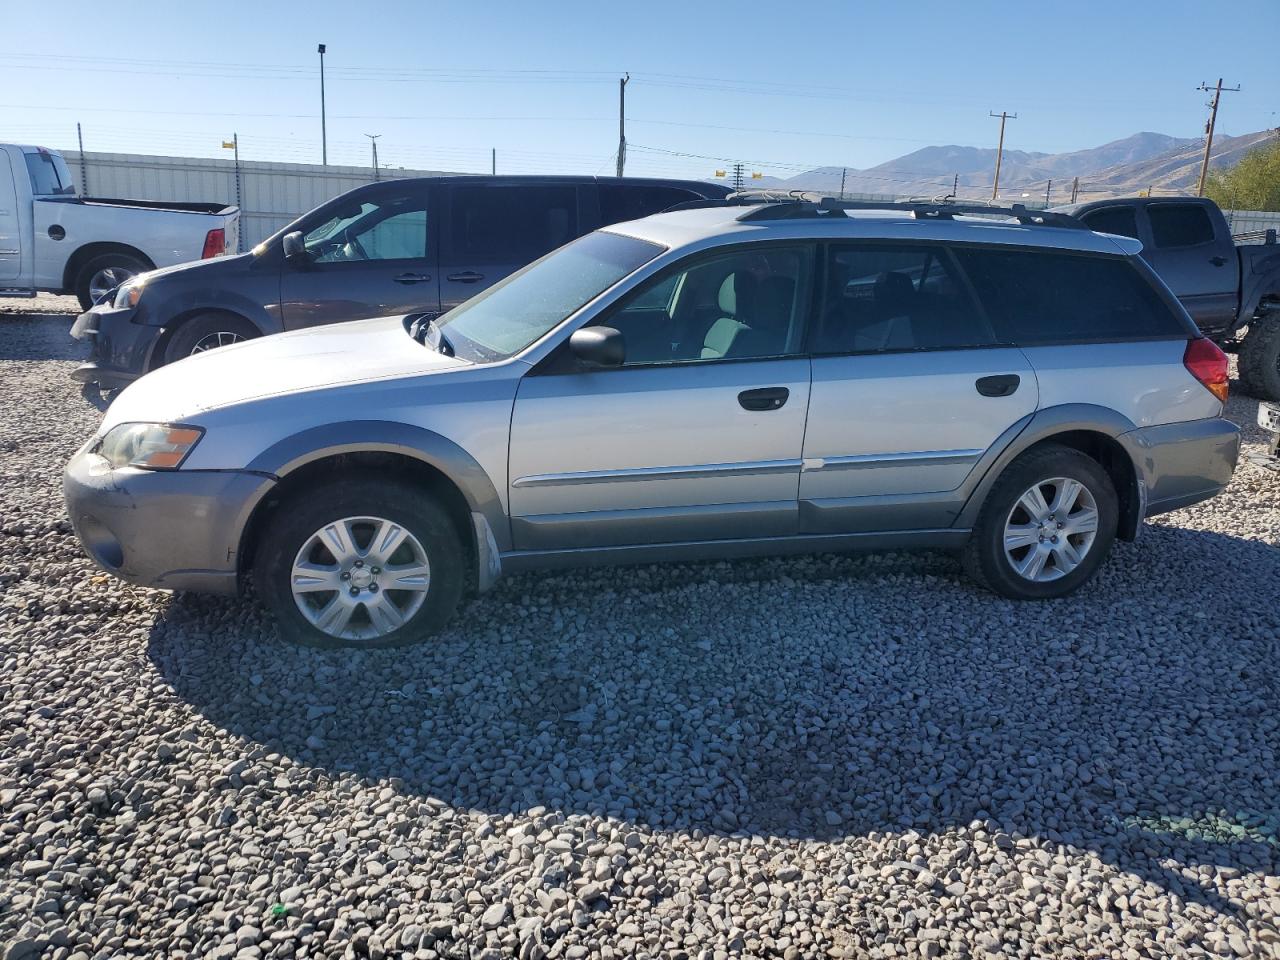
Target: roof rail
x=805 y=208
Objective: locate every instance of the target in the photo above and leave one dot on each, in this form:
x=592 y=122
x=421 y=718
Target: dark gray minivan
x=420 y=245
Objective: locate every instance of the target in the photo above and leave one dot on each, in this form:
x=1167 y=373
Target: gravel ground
x=814 y=757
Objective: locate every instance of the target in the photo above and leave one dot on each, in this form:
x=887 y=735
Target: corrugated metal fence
x=270 y=194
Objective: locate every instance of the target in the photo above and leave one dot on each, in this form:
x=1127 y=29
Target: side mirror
x=295 y=251
x=599 y=346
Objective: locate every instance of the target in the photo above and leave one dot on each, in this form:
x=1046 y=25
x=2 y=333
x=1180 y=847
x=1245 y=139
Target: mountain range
x=1136 y=163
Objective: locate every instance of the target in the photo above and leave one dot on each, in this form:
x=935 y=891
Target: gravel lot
x=829 y=756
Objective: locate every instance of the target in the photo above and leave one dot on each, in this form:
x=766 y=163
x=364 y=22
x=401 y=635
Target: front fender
x=385 y=436
x=1259 y=278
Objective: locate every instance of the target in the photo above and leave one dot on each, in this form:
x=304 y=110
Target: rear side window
x=1121 y=221
x=46 y=179
x=1037 y=297
x=1180 y=224
x=509 y=225
x=889 y=298
x=621 y=202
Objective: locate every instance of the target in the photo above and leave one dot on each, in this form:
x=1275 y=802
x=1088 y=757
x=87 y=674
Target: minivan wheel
x=207 y=331
x=1046 y=526
x=360 y=563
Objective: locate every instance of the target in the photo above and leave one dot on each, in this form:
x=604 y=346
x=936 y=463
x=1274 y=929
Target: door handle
x=1218 y=261
x=766 y=398
x=1000 y=385
x=413 y=278
x=467 y=276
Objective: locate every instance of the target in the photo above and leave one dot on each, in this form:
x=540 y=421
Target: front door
x=493 y=230
x=909 y=391
x=1200 y=267
x=375 y=259
x=10 y=234
x=697 y=436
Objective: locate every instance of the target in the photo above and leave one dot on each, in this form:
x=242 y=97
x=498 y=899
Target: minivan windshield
x=512 y=314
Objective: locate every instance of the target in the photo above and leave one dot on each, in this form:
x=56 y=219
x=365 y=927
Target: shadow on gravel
x=39 y=336
x=818 y=698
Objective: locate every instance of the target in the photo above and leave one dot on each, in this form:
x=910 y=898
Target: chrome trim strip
x=862 y=460
x=693 y=471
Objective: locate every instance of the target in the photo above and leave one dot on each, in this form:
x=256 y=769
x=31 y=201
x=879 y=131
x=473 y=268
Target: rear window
x=621 y=202
x=1120 y=221
x=509 y=225
x=1180 y=224
x=1037 y=297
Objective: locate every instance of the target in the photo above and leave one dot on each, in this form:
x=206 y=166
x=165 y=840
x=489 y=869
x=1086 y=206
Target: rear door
x=493 y=229
x=375 y=258
x=910 y=389
x=1195 y=256
x=10 y=232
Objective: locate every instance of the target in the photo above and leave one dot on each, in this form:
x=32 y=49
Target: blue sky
x=780 y=87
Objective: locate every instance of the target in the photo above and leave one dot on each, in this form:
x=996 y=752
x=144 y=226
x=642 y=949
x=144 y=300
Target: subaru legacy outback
x=722 y=380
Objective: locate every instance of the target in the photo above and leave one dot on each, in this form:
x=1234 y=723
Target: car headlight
x=129 y=293
x=152 y=446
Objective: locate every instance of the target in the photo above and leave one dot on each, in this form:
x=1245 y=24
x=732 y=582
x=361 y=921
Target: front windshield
x=510 y=315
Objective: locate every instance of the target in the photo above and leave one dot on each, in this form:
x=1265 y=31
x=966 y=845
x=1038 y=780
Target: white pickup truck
x=54 y=241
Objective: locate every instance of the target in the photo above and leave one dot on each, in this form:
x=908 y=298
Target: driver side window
x=394 y=228
x=742 y=305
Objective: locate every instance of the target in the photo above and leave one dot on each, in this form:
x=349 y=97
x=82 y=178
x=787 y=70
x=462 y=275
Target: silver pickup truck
x=53 y=241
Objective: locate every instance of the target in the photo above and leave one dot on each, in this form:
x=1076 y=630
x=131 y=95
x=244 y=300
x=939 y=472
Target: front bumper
x=119 y=348
x=173 y=529
x=1183 y=463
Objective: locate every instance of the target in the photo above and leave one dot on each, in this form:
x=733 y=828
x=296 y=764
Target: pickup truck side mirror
x=295 y=251
x=599 y=346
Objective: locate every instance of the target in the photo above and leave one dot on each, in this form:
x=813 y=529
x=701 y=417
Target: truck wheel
x=1046 y=526
x=99 y=275
x=360 y=562
x=207 y=331
x=1258 y=362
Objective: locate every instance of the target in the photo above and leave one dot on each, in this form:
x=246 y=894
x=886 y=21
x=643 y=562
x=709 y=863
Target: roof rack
x=805 y=208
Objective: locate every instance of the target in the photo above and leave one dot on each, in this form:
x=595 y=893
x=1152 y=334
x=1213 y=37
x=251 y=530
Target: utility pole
x=622 y=122
x=1075 y=189
x=1208 y=130
x=843 y=173
x=995 y=188
x=324 y=137
x=493 y=160
x=373 y=139
x=1047 y=187
x=955 y=185
x=737 y=178
x=84 y=176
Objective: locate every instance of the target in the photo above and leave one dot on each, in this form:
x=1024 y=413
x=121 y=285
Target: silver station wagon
x=728 y=378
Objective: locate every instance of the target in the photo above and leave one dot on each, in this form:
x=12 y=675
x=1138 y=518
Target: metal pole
x=493 y=160
x=235 y=141
x=1075 y=189
x=373 y=139
x=995 y=188
x=84 y=176
x=1047 y=188
x=324 y=136
x=622 y=122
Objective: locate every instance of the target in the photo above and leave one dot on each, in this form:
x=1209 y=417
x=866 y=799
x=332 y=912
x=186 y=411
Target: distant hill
x=1138 y=162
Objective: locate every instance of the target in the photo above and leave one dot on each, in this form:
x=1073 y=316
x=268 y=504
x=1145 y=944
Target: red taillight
x=215 y=242
x=1208 y=364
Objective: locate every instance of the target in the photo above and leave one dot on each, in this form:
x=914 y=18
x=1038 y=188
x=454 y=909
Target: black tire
x=195 y=333
x=1258 y=362
x=298 y=518
x=123 y=265
x=984 y=556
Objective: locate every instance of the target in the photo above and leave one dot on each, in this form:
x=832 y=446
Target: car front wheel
x=361 y=563
x=1046 y=526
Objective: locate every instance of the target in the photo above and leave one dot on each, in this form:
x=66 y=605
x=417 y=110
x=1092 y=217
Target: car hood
x=205 y=268
x=311 y=359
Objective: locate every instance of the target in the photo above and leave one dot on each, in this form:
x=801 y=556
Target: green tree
x=1252 y=184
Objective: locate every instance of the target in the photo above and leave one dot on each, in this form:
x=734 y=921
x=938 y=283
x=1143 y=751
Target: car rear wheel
x=360 y=563
x=1046 y=526
x=207 y=331
x=100 y=275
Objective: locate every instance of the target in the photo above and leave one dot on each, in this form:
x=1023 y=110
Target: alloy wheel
x=360 y=578
x=1050 y=529
x=211 y=341
x=107 y=279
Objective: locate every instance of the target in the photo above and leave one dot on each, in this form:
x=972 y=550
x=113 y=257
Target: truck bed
x=174 y=206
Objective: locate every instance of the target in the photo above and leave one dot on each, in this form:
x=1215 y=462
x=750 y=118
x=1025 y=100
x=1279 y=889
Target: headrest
x=736 y=293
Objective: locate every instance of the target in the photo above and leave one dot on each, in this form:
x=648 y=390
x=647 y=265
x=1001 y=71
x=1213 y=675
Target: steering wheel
x=351 y=241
